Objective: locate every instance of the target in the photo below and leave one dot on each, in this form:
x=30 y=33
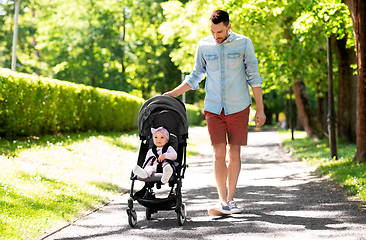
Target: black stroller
x=170 y=113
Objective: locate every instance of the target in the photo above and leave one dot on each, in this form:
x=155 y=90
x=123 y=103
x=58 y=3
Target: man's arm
x=260 y=117
x=182 y=88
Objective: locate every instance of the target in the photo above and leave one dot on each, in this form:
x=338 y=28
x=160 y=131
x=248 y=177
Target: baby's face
x=159 y=139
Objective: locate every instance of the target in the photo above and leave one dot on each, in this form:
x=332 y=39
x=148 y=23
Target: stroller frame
x=170 y=113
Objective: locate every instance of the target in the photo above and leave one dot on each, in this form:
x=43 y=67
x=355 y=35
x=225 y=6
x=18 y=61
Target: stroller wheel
x=182 y=215
x=149 y=211
x=132 y=217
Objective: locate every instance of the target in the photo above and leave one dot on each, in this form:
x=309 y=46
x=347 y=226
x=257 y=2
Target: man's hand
x=170 y=94
x=259 y=118
x=182 y=88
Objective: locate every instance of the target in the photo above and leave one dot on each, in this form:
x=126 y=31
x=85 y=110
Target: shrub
x=194 y=115
x=32 y=105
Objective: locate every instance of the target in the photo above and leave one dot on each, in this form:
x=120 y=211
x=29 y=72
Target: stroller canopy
x=154 y=107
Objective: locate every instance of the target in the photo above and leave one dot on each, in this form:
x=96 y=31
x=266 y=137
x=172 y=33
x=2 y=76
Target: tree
x=108 y=44
x=357 y=10
x=25 y=51
x=80 y=41
x=308 y=119
x=151 y=69
x=347 y=82
x=333 y=19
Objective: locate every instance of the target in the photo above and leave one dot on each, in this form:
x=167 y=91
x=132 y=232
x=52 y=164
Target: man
x=230 y=64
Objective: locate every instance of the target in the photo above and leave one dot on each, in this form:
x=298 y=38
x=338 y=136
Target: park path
x=280 y=196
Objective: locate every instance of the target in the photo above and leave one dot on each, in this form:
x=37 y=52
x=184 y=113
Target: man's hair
x=218 y=16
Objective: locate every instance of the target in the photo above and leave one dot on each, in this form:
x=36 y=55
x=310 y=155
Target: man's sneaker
x=233 y=208
x=219 y=210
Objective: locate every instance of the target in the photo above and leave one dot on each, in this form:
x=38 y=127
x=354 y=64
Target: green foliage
x=332 y=16
x=33 y=105
x=186 y=24
x=194 y=115
x=107 y=44
x=151 y=70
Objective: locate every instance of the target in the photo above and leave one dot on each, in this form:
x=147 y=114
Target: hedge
x=32 y=105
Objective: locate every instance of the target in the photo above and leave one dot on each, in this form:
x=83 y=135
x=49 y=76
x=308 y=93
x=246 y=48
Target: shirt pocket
x=212 y=62
x=235 y=60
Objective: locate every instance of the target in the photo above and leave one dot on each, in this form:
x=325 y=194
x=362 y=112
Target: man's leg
x=221 y=170
x=234 y=168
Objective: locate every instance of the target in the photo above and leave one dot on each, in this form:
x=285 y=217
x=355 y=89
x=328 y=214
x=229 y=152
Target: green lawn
x=345 y=171
x=47 y=181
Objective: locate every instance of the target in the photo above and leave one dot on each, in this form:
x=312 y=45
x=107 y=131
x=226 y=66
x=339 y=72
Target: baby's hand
x=161 y=158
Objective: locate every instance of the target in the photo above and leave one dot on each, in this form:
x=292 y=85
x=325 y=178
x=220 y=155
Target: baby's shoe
x=167 y=173
x=140 y=172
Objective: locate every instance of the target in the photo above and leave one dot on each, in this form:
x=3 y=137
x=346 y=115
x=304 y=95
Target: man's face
x=219 y=31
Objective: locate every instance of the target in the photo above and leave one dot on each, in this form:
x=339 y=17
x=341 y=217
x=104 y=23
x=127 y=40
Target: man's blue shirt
x=230 y=67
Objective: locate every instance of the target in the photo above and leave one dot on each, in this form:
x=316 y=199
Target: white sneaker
x=233 y=208
x=167 y=173
x=140 y=172
x=219 y=210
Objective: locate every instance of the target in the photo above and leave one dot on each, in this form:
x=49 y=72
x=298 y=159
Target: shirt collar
x=228 y=40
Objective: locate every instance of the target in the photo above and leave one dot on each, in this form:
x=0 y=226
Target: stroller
x=170 y=113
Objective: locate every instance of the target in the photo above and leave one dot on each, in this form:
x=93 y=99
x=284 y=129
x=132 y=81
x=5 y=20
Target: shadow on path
x=317 y=205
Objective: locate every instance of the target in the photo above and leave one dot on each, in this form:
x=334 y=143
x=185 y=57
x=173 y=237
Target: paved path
x=280 y=196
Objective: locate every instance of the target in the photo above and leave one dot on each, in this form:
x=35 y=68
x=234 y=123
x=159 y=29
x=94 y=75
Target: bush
x=194 y=115
x=32 y=105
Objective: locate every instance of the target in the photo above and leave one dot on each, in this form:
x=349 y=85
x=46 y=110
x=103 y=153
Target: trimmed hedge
x=31 y=105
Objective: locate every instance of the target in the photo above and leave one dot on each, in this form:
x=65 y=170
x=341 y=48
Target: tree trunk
x=347 y=86
x=34 y=42
x=321 y=110
x=299 y=125
x=123 y=41
x=93 y=82
x=357 y=9
x=305 y=112
x=269 y=117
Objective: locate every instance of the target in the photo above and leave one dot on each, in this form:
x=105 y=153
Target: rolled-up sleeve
x=198 y=72
x=251 y=66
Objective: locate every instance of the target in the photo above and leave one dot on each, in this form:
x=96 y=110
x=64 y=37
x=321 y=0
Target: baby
x=161 y=138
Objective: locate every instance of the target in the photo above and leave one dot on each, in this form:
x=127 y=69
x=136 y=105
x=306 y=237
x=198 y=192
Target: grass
x=345 y=171
x=47 y=181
